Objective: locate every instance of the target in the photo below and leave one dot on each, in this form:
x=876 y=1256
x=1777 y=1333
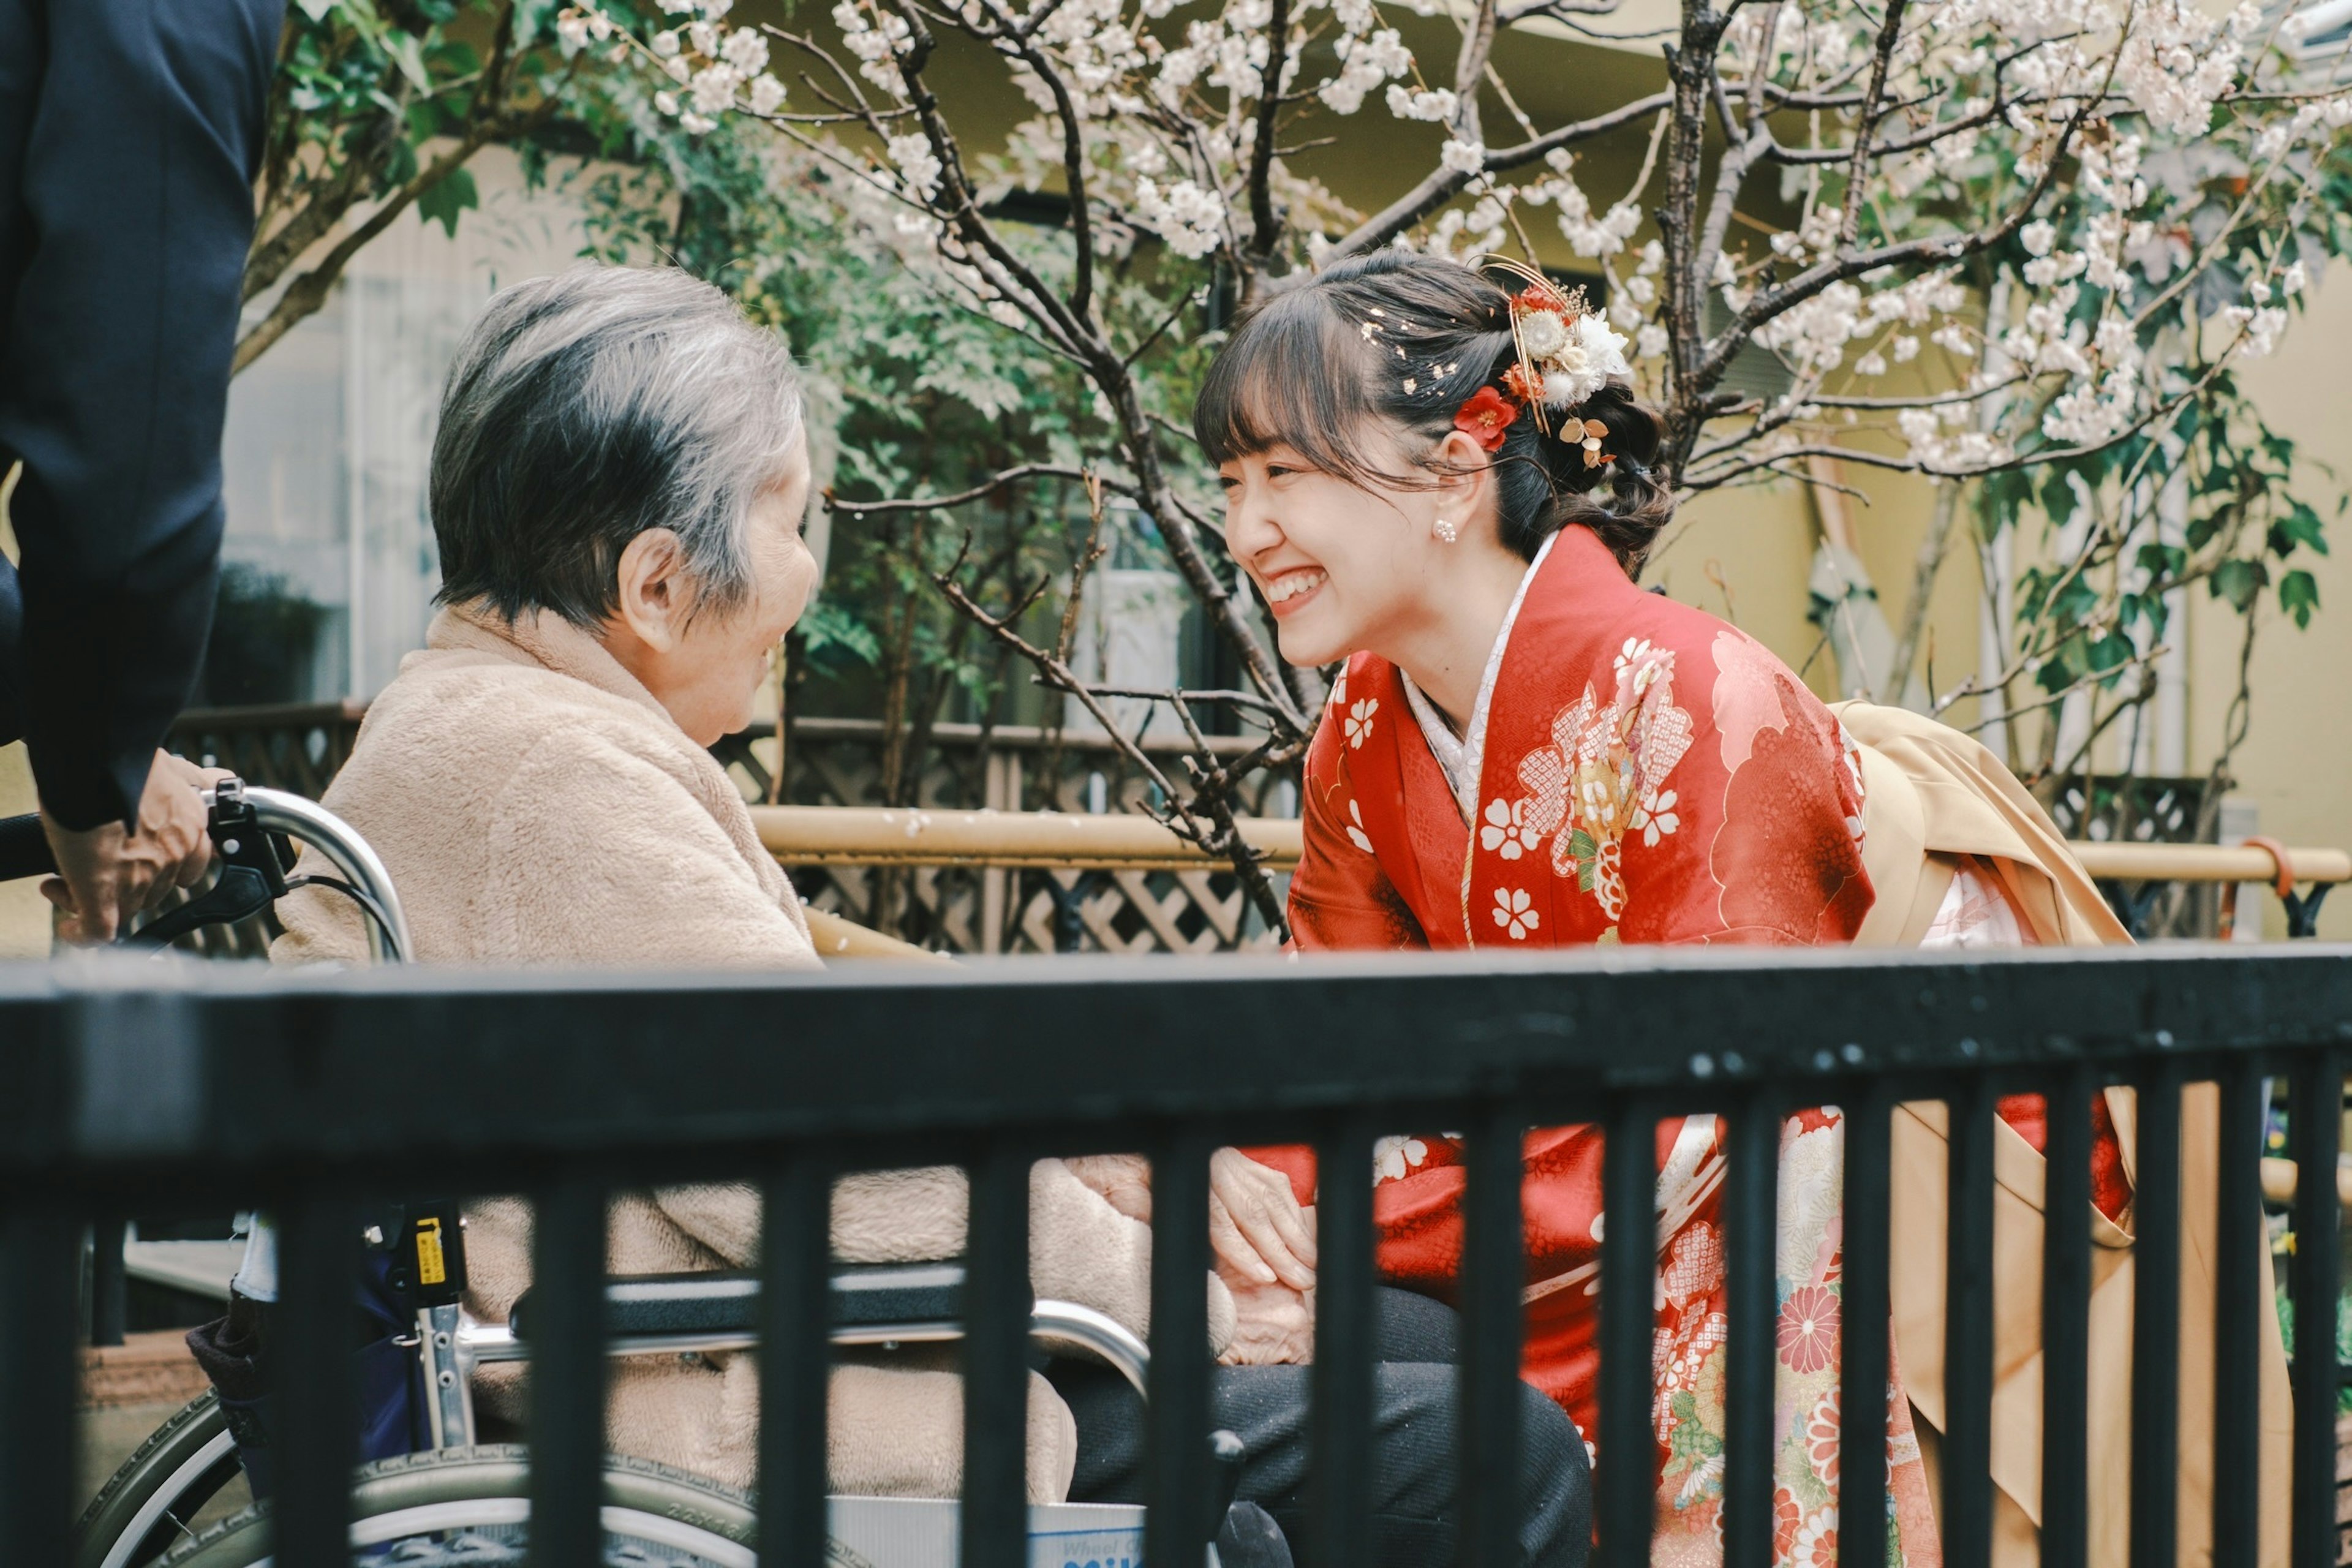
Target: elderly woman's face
x=707 y=667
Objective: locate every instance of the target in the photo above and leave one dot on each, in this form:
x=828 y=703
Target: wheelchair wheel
x=469 y=1508
x=152 y=1500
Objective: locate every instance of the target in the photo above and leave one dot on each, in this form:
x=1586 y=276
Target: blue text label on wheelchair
x=1088 y=1548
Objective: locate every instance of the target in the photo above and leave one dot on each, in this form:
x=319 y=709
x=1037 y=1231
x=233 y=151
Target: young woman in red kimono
x=1447 y=489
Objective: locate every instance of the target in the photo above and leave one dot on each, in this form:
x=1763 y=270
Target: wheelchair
x=461 y=1502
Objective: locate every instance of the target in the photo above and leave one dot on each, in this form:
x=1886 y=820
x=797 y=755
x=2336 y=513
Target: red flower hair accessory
x=1486 y=416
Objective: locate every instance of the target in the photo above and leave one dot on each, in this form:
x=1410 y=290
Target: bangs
x=1291 y=377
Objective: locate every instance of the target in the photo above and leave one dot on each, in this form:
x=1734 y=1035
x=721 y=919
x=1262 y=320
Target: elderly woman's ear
x=655 y=594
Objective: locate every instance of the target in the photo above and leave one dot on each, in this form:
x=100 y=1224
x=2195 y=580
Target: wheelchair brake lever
x=251 y=879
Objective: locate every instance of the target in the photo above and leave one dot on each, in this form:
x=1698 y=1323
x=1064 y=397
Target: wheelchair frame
x=650 y=1315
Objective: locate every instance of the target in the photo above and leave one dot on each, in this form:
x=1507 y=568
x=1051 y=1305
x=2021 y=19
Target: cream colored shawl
x=1935 y=795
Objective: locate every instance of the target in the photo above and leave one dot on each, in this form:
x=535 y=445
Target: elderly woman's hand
x=1274 y=1325
x=1256 y=1224
x=1124 y=1181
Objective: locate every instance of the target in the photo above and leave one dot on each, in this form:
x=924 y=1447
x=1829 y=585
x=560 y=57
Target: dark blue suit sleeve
x=129 y=134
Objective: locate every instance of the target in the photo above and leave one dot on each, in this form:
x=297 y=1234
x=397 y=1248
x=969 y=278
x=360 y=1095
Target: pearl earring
x=1446 y=532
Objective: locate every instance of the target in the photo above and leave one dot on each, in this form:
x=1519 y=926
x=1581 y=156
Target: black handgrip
x=25 y=848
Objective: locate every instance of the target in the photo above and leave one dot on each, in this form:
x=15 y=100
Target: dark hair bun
x=1408 y=340
x=1622 y=500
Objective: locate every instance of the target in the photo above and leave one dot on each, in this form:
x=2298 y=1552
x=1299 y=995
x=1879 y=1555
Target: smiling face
x=1342 y=567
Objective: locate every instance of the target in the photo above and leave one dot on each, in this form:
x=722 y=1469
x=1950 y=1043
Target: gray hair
x=586 y=408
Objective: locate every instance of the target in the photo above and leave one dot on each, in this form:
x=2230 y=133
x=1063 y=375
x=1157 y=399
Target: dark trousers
x=1415 y=1450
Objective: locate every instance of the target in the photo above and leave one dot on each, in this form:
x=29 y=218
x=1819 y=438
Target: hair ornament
x=1566 y=350
x=1485 y=417
x=1592 y=433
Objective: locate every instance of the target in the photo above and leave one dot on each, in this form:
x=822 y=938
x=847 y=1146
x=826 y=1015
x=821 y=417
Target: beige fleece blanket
x=535 y=805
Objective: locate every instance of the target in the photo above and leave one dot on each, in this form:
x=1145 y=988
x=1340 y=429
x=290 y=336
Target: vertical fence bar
x=1494 y=1279
x=2238 y=1307
x=2067 y=1320
x=1966 y=1514
x=2155 y=1322
x=1863 y=1327
x=40 y=1278
x=1750 y=1207
x=2318 y=1130
x=997 y=1304
x=795 y=1362
x=1176 y=1446
x=1339 y=1479
x=313 y=1391
x=109 y=1288
x=567 y=1373
x=1629 y=1271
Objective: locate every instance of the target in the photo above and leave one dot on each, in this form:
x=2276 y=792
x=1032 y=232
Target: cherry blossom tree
x=2014 y=244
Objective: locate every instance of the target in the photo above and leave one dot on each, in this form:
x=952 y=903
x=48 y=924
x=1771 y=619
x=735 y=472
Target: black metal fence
x=205 y=1086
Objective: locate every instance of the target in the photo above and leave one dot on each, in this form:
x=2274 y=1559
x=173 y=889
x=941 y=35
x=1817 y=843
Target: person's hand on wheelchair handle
x=106 y=876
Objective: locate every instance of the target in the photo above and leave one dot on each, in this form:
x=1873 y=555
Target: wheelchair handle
x=25 y=848
x=25 y=852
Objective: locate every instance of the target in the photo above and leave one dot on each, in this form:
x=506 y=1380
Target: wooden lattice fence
x=839 y=762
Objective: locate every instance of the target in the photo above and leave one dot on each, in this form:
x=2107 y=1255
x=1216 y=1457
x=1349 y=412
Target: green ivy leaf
x=2302 y=526
x=2239 y=581
x=2058 y=496
x=2299 y=597
x=444 y=200
x=408 y=54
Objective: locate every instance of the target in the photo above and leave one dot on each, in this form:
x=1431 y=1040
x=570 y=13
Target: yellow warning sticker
x=431 y=1268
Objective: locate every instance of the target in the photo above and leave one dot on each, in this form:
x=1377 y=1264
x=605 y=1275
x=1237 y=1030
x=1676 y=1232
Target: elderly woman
x=618 y=484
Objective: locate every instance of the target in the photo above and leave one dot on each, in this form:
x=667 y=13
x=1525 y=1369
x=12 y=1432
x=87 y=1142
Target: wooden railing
x=976 y=868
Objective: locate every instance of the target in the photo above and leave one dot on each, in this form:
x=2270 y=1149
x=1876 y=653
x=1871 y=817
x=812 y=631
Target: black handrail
x=212 y=1085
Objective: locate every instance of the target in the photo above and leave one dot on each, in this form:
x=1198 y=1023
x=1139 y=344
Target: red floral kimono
x=1637 y=771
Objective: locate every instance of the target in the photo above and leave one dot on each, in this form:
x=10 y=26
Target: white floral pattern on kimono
x=1605 y=775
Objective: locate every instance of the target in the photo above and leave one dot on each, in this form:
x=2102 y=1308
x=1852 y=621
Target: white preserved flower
x=1543 y=333
x=1584 y=366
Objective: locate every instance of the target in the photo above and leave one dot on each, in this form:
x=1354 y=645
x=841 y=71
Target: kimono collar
x=1460 y=759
